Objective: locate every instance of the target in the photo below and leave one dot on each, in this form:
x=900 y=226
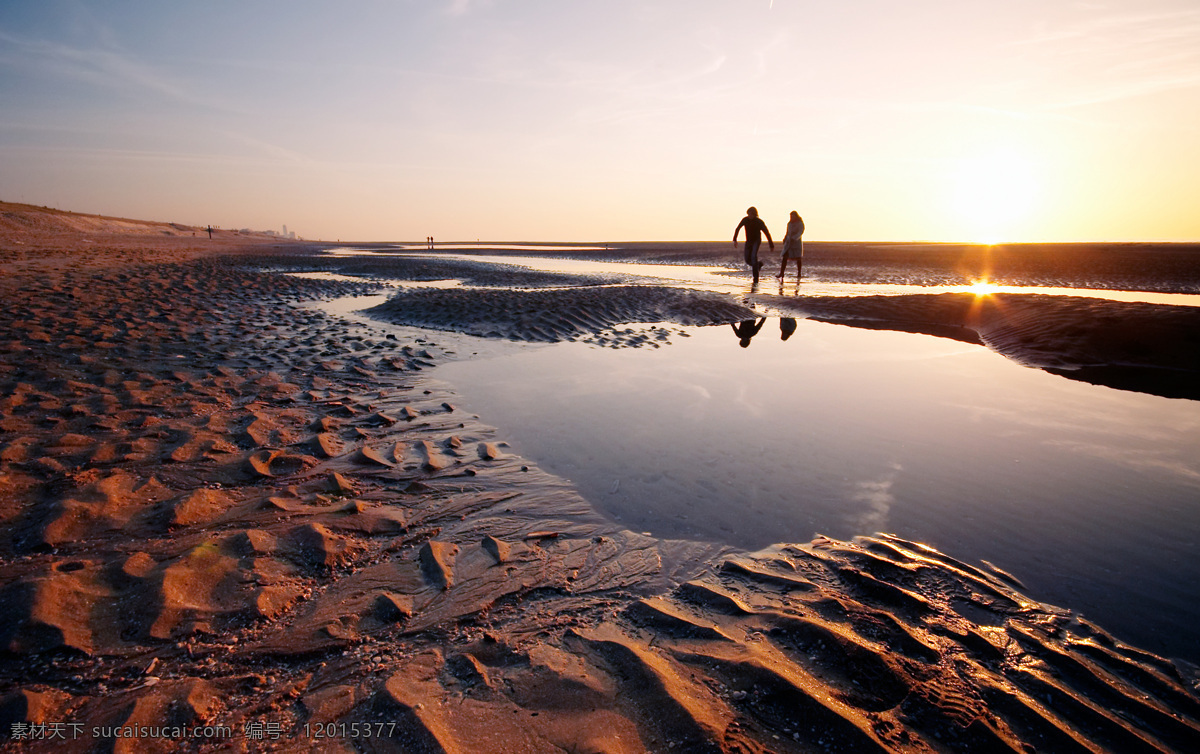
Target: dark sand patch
x=584 y=313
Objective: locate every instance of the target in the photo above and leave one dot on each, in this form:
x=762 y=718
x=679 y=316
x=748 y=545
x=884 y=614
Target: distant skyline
x=940 y=120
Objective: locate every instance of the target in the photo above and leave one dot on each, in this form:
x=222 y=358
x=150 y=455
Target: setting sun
x=993 y=194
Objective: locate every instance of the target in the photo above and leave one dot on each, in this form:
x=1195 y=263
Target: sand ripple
x=551 y=315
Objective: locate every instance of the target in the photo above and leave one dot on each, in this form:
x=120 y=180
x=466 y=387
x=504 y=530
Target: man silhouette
x=747 y=329
x=755 y=227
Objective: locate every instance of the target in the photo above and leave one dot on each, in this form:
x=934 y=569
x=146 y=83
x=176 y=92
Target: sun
x=993 y=194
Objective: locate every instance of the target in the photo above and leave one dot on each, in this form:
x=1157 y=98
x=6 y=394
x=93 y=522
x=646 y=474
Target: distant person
x=755 y=227
x=787 y=326
x=431 y=243
x=747 y=329
x=793 y=245
x=210 y=231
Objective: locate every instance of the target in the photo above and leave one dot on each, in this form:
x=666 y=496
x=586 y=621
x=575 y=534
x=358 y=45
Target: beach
x=230 y=509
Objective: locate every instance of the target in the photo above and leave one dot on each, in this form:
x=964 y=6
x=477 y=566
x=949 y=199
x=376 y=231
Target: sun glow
x=982 y=288
x=994 y=193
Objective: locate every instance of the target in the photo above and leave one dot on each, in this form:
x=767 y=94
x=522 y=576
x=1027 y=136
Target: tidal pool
x=1089 y=495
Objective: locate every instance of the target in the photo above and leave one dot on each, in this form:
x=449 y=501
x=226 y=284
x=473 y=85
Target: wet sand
x=1165 y=267
x=226 y=509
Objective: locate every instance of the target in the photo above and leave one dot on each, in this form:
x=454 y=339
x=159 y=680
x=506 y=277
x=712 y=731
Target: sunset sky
x=592 y=120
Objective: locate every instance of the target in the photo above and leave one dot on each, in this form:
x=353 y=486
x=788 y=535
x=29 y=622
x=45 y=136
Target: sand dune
x=223 y=509
x=24 y=219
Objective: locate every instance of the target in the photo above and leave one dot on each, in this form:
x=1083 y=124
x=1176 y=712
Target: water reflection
x=1087 y=493
x=705 y=278
x=747 y=329
x=787 y=326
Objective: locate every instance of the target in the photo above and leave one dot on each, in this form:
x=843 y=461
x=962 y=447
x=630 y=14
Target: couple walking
x=793 y=244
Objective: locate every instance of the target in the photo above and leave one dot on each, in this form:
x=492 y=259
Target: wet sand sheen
x=727 y=280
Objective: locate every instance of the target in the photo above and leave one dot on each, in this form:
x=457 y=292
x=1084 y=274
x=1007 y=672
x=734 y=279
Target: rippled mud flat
x=226 y=509
x=589 y=313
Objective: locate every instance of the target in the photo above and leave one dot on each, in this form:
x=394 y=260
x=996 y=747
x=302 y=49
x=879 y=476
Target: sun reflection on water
x=983 y=288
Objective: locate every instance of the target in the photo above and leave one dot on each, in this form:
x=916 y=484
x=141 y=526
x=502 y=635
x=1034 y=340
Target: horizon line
x=616 y=241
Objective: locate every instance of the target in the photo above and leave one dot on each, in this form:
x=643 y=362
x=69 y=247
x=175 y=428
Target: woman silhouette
x=793 y=244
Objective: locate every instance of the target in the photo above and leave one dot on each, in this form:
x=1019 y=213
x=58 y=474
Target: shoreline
x=227 y=509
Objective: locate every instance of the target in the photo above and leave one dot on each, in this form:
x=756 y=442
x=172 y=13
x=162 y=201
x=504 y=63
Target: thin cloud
x=274 y=151
x=877 y=498
x=1124 y=55
x=463 y=7
x=626 y=82
x=1130 y=29
x=1129 y=90
x=152 y=157
x=98 y=67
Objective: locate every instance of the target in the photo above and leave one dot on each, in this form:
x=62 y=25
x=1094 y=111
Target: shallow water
x=707 y=278
x=392 y=249
x=1087 y=494
x=725 y=280
x=817 y=288
x=385 y=282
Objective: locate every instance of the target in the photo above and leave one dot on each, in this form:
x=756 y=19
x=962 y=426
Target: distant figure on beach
x=755 y=227
x=793 y=245
x=787 y=326
x=747 y=329
x=429 y=240
x=210 y=231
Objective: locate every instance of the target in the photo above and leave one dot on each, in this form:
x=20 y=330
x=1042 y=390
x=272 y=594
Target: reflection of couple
x=748 y=328
x=793 y=244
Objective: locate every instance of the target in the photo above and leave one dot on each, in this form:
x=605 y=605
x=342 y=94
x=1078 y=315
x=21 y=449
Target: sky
x=611 y=120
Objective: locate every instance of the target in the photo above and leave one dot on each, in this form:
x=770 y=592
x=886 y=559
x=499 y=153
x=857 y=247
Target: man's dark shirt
x=754 y=229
